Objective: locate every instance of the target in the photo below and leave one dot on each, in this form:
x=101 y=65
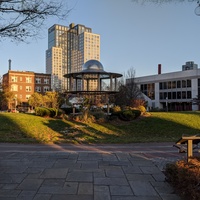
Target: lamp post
x=167 y=104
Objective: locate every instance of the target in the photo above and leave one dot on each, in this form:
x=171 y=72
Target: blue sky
x=132 y=36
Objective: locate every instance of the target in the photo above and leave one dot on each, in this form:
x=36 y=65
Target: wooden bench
x=190 y=141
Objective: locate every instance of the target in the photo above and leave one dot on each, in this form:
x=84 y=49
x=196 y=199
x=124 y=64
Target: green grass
x=159 y=127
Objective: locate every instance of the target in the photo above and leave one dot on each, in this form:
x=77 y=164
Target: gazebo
x=88 y=82
x=79 y=82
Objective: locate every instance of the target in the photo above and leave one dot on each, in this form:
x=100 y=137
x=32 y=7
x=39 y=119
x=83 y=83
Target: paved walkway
x=86 y=172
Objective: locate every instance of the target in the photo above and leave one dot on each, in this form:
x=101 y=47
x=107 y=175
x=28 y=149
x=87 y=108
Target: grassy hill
x=159 y=127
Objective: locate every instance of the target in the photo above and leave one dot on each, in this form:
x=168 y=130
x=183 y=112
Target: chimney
x=9 y=64
x=159 y=68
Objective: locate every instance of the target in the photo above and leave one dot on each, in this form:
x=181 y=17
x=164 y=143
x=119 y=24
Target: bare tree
x=21 y=19
x=128 y=89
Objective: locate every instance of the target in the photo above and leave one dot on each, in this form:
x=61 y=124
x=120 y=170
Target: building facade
x=68 y=49
x=172 y=91
x=23 y=84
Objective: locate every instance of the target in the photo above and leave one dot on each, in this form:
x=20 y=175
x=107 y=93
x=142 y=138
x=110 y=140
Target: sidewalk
x=85 y=172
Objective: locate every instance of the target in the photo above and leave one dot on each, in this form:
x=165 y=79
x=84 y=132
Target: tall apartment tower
x=56 y=56
x=68 y=49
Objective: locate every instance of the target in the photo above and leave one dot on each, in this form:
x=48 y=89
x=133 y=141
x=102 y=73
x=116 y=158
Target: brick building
x=23 y=84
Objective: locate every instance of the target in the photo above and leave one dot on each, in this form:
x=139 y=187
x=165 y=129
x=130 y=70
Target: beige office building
x=68 y=49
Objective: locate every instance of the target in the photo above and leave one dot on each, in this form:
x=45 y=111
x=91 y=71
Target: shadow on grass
x=48 y=130
x=77 y=132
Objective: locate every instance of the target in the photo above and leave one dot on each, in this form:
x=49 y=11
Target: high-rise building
x=68 y=49
x=56 y=56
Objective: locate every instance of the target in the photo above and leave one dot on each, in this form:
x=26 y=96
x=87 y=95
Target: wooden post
x=189 y=149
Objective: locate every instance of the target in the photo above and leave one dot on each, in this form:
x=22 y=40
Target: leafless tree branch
x=21 y=19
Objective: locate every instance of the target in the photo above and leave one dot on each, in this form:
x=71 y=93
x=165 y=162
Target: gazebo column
x=98 y=83
x=76 y=84
x=71 y=83
x=115 y=84
x=82 y=82
x=111 y=84
x=88 y=83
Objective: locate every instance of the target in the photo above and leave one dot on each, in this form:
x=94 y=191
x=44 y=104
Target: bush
x=185 y=178
x=137 y=113
x=45 y=112
x=127 y=115
x=115 y=109
x=142 y=109
x=41 y=111
x=98 y=115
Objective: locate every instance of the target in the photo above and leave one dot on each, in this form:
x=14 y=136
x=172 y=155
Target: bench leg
x=189 y=150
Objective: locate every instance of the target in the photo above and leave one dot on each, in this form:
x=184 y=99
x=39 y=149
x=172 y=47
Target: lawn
x=158 y=127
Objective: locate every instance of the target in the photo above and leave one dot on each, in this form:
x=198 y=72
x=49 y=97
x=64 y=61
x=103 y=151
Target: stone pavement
x=85 y=172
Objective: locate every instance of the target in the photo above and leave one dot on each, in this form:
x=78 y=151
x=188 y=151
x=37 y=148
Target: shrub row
x=127 y=115
x=45 y=112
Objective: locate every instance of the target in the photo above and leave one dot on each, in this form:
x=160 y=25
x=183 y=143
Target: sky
x=133 y=35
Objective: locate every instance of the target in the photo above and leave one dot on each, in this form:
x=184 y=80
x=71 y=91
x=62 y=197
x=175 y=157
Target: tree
x=35 y=100
x=52 y=100
x=197 y=9
x=128 y=90
x=21 y=19
x=6 y=97
x=162 y=1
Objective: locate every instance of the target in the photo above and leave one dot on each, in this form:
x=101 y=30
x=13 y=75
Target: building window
x=173 y=95
x=14 y=88
x=178 y=95
x=28 y=96
x=46 y=89
x=165 y=85
x=38 y=80
x=14 y=78
x=178 y=84
x=188 y=83
x=165 y=95
x=20 y=87
x=160 y=86
x=46 y=81
x=169 y=85
x=189 y=95
x=38 y=89
x=28 y=88
x=169 y=95
x=184 y=95
x=174 y=84
x=183 y=83
x=161 y=95
x=28 y=80
x=20 y=78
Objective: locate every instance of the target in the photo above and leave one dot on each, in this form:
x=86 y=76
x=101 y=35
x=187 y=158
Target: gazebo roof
x=92 y=67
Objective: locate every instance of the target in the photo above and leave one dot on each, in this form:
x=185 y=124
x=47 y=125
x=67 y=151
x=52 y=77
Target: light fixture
x=197 y=9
